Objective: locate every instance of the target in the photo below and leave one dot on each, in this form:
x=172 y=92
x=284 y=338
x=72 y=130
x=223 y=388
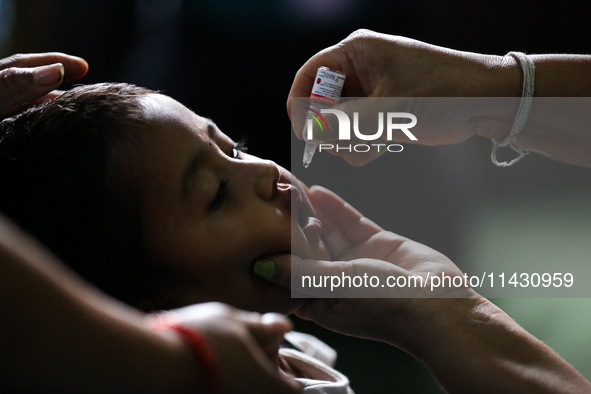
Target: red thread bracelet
x=199 y=344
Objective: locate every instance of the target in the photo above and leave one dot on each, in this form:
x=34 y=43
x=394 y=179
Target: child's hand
x=31 y=78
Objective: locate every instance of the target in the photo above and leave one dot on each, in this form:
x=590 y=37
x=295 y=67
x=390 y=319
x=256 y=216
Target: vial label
x=327 y=86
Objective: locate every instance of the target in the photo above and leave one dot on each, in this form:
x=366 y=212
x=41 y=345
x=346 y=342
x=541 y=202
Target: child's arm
x=59 y=334
x=468 y=343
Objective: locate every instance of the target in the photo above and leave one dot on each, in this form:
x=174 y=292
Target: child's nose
x=265 y=175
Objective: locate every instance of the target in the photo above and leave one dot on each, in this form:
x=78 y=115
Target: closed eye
x=219 y=197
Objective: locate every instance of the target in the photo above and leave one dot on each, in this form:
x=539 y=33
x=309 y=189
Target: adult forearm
x=473 y=346
x=562 y=75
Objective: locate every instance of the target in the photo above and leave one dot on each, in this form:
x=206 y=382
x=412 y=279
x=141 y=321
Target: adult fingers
x=256 y=370
x=268 y=331
x=334 y=239
x=21 y=85
x=246 y=368
x=360 y=317
x=281 y=268
x=297 y=111
x=242 y=343
x=74 y=67
x=353 y=225
x=332 y=279
x=48 y=96
x=18 y=108
x=276 y=268
x=332 y=57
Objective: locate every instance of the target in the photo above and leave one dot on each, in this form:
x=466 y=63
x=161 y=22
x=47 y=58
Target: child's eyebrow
x=195 y=162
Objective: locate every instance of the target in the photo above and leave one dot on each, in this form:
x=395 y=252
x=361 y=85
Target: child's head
x=149 y=201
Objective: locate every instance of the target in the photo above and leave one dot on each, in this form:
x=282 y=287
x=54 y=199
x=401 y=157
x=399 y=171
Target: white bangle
x=529 y=73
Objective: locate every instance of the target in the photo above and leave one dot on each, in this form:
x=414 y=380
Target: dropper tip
x=308 y=154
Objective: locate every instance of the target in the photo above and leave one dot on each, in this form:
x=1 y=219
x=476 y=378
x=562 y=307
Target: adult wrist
x=193 y=367
x=431 y=322
x=186 y=375
x=504 y=78
x=481 y=75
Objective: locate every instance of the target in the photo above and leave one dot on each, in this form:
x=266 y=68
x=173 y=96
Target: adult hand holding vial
x=380 y=65
x=326 y=93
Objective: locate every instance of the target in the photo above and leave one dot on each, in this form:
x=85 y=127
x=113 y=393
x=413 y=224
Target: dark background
x=234 y=61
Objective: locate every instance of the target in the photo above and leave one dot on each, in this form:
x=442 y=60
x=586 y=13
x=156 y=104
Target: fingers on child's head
x=75 y=67
x=21 y=85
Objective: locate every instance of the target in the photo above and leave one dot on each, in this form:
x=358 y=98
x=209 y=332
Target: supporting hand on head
x=32 y=78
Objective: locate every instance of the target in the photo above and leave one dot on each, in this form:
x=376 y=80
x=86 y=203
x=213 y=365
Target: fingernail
x=312 y=188
x=264 y=268
x=48 y=75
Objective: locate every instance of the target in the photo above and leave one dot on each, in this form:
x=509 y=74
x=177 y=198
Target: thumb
x=285 y=270
x=277 y=268
x=20 y=85
x=358 y=278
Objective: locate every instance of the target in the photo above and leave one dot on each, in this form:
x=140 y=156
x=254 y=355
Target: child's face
x=209 y=212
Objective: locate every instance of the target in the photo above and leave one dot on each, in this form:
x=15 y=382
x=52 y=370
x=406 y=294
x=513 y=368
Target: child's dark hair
x=66 y=179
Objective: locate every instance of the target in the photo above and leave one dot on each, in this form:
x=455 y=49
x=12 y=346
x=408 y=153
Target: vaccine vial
x=326 y=93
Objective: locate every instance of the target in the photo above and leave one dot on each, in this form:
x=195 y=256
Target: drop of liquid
x=306 y=165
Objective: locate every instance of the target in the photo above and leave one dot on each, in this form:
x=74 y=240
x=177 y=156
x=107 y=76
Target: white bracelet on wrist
x=529 y=73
